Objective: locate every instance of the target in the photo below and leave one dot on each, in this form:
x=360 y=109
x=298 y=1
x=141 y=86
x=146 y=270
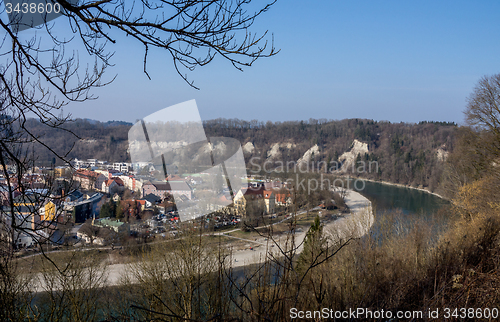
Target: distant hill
x=108 y=123
x=406 y=153
x=412 y=154
x=84 y=139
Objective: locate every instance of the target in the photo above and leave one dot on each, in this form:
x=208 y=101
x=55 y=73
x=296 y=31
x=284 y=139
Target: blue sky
x=385 y=60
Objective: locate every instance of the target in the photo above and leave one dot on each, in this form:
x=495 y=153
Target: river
x=403 y=207
x=409 y=201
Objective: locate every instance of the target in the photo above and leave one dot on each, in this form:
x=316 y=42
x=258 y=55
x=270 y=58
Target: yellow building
x=255 y=199
x=60 y=172
x=48 y=212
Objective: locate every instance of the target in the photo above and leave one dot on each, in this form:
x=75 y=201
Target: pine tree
x=119 y=211
x=314 y=246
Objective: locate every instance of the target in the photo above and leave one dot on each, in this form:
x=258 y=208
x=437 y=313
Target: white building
x=122 y=166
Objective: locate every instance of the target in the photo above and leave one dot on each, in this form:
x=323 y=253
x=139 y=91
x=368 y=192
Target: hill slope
x=411 y=154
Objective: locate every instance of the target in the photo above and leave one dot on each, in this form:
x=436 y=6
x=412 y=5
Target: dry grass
x=401 y=265
x=405 y=270
x=34 y=264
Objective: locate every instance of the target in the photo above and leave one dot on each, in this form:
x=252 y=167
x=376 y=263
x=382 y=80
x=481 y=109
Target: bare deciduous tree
x=483 y=108
x=42 y=71
x=478 y=146
x=73 y=293
x=39 y=75
x=183 y=281
x=483 y=113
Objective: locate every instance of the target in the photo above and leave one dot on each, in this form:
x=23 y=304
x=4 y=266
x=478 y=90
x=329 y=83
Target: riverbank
x=353 y=225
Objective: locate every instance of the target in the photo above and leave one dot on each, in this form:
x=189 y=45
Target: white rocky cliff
x=347 y=159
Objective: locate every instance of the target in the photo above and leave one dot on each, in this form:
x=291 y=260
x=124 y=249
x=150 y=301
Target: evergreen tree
x=315 y=247
x=119 y=211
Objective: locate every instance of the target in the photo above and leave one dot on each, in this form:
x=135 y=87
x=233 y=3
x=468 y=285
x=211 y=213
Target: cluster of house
x=34 y=207
x=103 y=231
x=266 y=196
x=43 y=210
x=91 y=163
x=24 y=208
x=113 y=181
x=33 y=218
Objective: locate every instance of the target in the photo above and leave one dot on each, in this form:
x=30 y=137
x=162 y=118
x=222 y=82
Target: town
x=98 y=203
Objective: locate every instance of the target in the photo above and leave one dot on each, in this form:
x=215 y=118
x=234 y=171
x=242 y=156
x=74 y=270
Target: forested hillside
x=411 y=154
x=83 y=139
x=406 y=153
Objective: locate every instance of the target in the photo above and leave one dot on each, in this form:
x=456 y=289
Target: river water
x=403 y=207
x=410 y=201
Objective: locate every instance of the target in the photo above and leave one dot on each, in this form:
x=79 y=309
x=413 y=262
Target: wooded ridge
x=405 y=153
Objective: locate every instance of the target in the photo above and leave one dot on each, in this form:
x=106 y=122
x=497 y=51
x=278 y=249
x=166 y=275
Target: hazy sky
x=384 y=60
